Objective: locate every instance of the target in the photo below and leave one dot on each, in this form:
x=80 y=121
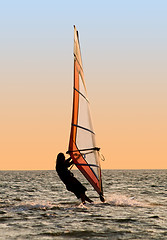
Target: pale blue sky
x=124 y=51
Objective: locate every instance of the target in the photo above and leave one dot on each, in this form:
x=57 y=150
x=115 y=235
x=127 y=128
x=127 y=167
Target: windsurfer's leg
x=88 y=199
x=83 y=198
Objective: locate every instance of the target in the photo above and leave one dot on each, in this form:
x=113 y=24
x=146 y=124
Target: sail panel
x=85 y=168
x=84 y=113
x=82 y=146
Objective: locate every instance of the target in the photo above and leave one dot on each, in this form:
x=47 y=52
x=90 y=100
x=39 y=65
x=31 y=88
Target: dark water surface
x=36 y=205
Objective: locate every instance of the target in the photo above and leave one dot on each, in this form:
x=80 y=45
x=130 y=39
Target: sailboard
x=82 y=144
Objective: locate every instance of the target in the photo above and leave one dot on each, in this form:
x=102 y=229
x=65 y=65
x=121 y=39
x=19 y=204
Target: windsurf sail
x=82 y=145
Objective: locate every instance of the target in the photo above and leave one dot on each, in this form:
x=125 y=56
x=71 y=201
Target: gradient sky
x=124 y=53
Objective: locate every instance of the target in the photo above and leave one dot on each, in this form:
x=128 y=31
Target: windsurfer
x=67 y=177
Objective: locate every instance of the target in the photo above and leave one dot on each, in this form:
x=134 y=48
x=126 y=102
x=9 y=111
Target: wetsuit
x=67 y=177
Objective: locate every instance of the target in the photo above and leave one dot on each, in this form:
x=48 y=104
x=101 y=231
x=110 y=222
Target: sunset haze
x=124 y=55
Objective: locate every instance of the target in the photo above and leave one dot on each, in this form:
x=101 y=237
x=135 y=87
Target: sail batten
x=86 y=129
x=82 y=145
x=81 y=95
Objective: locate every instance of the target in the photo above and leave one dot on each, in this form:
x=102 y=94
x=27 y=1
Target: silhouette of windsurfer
x=67 y=177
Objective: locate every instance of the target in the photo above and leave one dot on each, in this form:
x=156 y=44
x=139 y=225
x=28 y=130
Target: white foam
x=122 y=200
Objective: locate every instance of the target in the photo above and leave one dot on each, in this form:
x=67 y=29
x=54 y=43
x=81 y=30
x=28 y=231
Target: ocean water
x=36 y=205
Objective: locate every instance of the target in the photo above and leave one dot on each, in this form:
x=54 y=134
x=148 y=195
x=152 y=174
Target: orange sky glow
x=125 y=73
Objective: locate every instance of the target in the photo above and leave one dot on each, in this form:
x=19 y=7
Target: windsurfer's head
x=60 y=158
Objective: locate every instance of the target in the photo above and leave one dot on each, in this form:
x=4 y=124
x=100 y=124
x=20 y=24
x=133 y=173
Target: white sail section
x=85 y=138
